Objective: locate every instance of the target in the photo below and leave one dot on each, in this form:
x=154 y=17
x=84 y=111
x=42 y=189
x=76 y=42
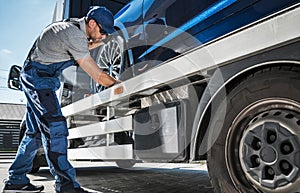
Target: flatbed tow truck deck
x=269 y=33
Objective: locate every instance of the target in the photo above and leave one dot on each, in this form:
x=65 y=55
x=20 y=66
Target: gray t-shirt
x=61 y=41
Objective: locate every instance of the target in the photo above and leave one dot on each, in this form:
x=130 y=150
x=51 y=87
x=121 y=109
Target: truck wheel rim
x=269 y=150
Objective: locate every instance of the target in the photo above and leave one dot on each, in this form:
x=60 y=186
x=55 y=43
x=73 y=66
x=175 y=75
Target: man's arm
x=89 y=66
x=96 y=44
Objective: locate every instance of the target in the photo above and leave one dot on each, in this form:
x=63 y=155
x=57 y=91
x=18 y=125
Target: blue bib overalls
x=45 y=124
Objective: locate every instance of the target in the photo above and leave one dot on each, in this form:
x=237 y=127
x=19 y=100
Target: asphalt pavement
x=106 y=177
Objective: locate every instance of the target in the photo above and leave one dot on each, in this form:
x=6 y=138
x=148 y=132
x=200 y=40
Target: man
x=59 y=46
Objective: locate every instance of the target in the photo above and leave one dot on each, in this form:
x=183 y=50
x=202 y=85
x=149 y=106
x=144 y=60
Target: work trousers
x=45 y=125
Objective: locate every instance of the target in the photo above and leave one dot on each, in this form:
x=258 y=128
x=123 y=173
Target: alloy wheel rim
x=110 y=60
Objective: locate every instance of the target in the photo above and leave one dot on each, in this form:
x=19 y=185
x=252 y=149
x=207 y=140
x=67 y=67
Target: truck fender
x=202 y=138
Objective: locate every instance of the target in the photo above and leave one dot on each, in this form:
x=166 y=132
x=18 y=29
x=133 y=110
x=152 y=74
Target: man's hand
x=117 y=82
x=95 y=44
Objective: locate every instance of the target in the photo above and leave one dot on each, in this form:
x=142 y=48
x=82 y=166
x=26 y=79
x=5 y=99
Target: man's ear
x=92 y=23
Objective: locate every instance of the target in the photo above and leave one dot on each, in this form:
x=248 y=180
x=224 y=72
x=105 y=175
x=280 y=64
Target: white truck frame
x=264 y=48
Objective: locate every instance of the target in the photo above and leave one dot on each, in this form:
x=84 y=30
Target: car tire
x=258 y=140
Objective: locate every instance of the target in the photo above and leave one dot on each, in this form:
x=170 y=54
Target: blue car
x=151 y=31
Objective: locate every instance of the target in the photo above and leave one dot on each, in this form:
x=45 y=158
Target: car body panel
x=155 y=31
x=172 y=27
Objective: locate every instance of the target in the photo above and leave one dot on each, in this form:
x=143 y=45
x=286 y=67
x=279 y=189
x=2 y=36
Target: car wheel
x=125 y=164
x=257 y=149
x=110 y=57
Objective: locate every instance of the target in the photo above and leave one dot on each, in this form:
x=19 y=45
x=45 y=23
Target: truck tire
x=258 y=146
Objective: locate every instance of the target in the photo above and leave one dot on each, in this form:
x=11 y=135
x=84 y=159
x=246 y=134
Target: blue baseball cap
x=103 y=17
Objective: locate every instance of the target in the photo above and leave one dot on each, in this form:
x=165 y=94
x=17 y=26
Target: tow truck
x=233 y=102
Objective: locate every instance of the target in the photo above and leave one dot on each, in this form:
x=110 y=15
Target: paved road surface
x=143 y=178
